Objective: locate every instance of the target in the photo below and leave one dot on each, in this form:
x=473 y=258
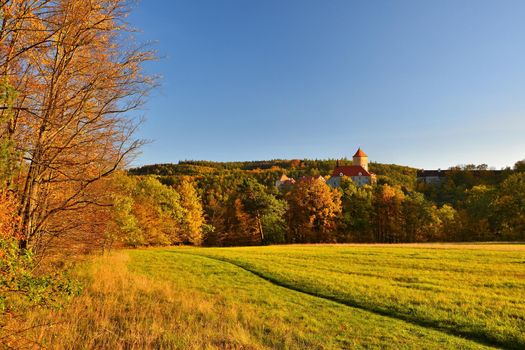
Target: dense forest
x=241 y=205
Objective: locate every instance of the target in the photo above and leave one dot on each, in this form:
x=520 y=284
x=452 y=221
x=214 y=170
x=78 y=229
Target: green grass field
x=298 y=297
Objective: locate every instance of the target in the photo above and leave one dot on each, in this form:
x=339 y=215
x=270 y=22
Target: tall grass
x=122 y=310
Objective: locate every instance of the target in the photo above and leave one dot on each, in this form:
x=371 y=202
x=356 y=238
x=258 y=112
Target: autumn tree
x=21 y=287
x=9 y=219
x=388 y=216
x=8 y=216
x=313 y=211
x=76 y=72
x=159 y=212
x=239 y=226
x=146 y=212
x=123 y=226
x=218 y=194
x=193 y=218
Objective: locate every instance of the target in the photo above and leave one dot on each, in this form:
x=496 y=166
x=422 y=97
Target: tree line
x=243 y=207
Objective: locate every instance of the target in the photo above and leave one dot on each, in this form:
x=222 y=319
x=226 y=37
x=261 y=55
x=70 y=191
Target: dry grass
x=121 y=310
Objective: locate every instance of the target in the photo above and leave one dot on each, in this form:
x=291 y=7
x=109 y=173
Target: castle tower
x=360 y=158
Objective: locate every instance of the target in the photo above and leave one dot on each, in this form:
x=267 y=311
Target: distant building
x=431 y=177
x=437 y=177
x=313 y=178
x=358 y=171
x=284 y=182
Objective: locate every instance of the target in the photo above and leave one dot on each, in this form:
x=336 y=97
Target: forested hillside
x=242 y=206
x=387 y=173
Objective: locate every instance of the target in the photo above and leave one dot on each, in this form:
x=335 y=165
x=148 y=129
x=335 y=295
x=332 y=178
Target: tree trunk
x=260 y=227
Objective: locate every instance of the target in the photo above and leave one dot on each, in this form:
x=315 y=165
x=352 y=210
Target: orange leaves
x=9 y=219
x=76 y=78
x=313 y=210
x=193 y=219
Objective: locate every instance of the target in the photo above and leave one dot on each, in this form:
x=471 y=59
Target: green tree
x=357 y=212
x=263 y=207
x=520 y=166
x=227 y=221
x=130 y=232
x=420 y=219
x=124 y=226
x=480 y=219
x=274 y=222
x=9 y=160
x=448 y=223
x=510 y=207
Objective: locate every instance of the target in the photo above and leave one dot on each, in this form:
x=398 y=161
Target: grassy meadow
x=292 y=297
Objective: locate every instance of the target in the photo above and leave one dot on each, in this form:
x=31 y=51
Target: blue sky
x=428 y=84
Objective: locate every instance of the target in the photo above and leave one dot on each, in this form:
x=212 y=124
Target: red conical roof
x=360 y=153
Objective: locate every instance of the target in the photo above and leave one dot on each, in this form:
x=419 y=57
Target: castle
x=358 y=171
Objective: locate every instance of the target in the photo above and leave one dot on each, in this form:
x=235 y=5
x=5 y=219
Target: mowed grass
x=188 y=298
x=475 y=291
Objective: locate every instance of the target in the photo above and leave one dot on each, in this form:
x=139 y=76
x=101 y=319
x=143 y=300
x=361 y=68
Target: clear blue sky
x=422 y=83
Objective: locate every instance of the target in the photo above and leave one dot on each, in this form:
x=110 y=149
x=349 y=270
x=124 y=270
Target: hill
x=387 y=173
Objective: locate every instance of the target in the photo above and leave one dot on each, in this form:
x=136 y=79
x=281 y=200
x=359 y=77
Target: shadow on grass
x=479 y=337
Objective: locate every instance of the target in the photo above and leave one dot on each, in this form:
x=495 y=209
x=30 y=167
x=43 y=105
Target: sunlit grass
x=477 y=291
x=174 y=299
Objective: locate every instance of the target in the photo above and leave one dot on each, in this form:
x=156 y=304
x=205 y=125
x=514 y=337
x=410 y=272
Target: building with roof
x=284 y=182
x=433 y=177
x=438 y=177
x=358 y=171
x=313 y=178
